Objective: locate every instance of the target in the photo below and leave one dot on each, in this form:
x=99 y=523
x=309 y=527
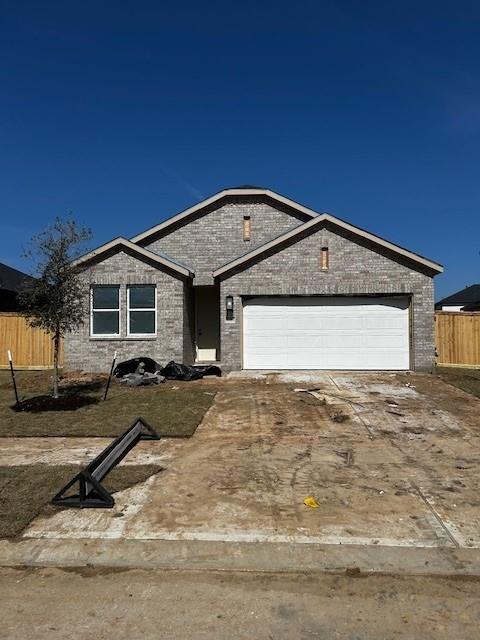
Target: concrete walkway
x=63 y=451
x=269 y=557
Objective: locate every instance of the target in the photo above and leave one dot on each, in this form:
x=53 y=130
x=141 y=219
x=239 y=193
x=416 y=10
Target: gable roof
x=316 y=221
x=464 y=296
x=141 y=252
x=12 y=279
x=236 y=191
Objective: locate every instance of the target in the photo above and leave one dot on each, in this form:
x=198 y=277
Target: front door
x=207 y=316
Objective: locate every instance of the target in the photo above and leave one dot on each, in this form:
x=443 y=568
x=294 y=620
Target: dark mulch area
x=174 y=409
x=26 y=491
x=66 y=402
x=466 y=379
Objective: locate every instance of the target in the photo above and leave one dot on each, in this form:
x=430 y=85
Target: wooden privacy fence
x=457 y=338
x=31 y=348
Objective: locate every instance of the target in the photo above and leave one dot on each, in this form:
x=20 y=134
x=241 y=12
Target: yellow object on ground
x=310 y=502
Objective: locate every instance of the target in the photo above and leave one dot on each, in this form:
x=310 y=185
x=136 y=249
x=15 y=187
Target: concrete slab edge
x=188 y=555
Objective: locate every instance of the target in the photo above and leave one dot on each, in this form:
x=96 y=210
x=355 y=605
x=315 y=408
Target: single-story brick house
x=254 y=280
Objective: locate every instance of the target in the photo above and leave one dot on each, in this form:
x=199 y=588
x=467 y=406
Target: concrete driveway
x=391 y=459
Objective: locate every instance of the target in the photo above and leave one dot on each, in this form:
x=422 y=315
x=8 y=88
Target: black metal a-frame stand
x=91 y=494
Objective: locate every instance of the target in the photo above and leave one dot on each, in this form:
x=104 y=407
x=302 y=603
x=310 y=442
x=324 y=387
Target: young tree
x=55 y=300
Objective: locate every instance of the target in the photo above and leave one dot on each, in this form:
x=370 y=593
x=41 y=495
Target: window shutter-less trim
x=142 y=310
x=105 y=310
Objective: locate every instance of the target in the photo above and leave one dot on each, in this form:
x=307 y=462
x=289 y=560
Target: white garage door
x=326 y=333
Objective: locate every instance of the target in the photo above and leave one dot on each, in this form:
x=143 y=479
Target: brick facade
x=95 y=354
x=354 y=269
x=215 y=237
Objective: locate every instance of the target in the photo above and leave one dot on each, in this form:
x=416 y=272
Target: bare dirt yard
x=51 y=604
x=391 y=459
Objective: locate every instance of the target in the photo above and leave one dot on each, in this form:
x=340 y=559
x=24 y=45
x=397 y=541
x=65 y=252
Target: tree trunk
x=56 y=347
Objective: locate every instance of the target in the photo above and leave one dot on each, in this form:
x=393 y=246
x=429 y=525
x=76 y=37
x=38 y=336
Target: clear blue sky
x=127 y=112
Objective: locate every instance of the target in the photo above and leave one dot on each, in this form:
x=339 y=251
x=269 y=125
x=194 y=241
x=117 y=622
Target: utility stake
x=110 y=376
x=9 y=353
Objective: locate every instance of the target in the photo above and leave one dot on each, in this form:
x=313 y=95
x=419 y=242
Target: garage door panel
x=265 y=343
x=299 y=341
x=303 y=322
x=362 y=359
x=303 y=358
x=334 y=360
x=324 y=340
x=326 y=333
x=384 y=322
x=321 y=322
x=382 y=341
x=267 y=323
x=335 y=322
x=277 y=360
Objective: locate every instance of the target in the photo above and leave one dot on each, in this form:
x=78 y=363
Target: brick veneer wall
x=211 y=240
x=95 y=354
x=354 y=269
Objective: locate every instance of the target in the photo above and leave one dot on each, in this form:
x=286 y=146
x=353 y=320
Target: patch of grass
x=26 y=491
x=174 y=409
x=466 y=379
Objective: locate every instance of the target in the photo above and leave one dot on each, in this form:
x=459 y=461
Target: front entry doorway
x=207 y=323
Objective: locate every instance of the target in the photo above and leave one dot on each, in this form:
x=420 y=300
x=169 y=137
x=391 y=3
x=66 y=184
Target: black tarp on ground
x=172 y=371
x=131 y=366
x=176 y=371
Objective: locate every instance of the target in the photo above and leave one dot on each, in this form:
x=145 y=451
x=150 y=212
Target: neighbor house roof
x=472 y=306
x=11 y=279
x=316 y=221
x=464 y=296
x=236 y=191
x=141 y=252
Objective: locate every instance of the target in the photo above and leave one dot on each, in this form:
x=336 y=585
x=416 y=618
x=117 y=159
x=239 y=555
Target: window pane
x=142 y=321
x=142 y=297
x=105 y=322
x=105 y=297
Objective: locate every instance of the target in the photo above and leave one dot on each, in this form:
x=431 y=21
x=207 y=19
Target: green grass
x=26 y=491
x=466 y=379
x=174 y=409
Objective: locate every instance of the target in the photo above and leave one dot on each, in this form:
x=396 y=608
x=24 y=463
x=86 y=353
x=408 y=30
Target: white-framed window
x=105 y=310
x=142 y=310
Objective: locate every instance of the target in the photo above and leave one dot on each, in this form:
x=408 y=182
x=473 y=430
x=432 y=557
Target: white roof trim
x=123 y=242
x=326 y=217
x=218 y=196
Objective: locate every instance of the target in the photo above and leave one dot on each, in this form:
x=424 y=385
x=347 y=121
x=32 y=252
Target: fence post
x=12 y=371
x=110 y=376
